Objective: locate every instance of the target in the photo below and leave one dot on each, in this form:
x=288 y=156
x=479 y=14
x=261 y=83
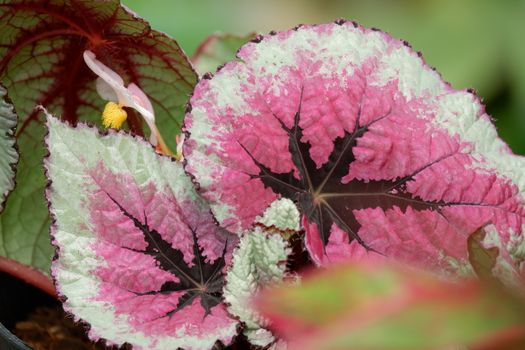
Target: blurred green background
x=476 y=44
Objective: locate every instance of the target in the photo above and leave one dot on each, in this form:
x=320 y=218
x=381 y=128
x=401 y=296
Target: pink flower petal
x=105 y=73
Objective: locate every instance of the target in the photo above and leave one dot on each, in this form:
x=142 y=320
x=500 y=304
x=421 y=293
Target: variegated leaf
x=139 y=256
x=380 y=155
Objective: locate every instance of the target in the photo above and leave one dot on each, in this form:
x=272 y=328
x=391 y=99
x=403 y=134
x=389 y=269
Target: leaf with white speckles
x=139 y=255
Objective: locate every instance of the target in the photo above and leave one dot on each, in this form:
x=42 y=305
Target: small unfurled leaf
x=41 y=47
x=379 y=154
x=139 y=256
x=259 y=261
x=216 y=50
x=281 y=215
x=8 y=150
x=380 y=306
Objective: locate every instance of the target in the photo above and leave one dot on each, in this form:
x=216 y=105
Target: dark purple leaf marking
x=202 y=280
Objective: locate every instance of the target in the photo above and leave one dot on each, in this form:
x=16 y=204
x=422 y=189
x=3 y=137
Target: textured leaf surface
x=41 y=46
x=378 y=153
x=8 y=150
x=139 y=255
x=388 y=307
x=259 y=261
x=216 y=50
x=282 y=215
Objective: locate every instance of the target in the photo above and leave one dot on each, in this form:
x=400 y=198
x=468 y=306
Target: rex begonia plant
x=379 y=154
x=335 y=133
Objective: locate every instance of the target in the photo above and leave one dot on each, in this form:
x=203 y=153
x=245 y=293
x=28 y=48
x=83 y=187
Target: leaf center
x=320 y=193
x=201 y=279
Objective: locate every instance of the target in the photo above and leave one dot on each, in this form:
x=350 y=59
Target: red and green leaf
x=384 y=306
x=139 y=255
x=42 y=43
x=41 y=63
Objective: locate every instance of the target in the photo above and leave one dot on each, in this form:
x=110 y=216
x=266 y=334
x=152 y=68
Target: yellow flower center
x=113 y=116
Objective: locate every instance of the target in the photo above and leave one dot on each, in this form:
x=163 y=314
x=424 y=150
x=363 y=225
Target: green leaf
x=24 y=224
x=391 y=307
x=218 y=49
x=8 y=150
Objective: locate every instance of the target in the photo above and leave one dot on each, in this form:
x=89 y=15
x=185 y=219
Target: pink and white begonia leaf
x=139 y=255
x=364 y=137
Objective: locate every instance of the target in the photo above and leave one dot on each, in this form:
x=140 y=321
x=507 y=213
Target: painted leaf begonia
x=378 y=153
x=9 y=153
x=139 y=256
